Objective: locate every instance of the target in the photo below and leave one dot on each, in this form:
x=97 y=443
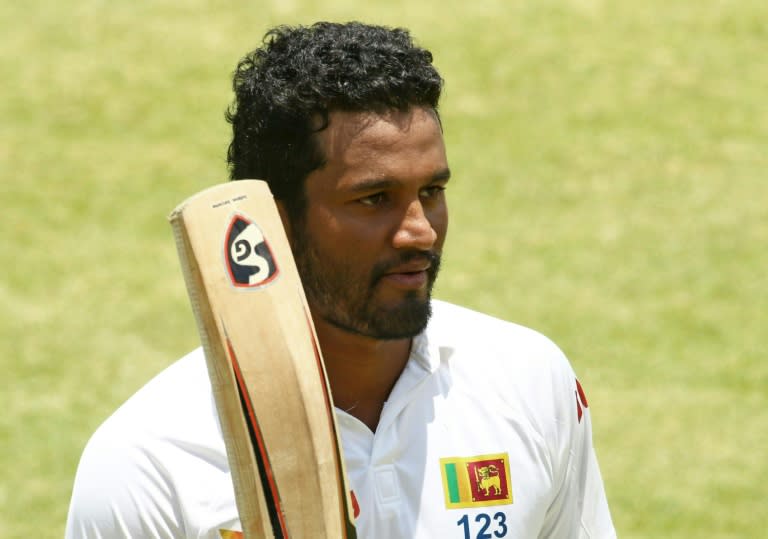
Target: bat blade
x=265 y=367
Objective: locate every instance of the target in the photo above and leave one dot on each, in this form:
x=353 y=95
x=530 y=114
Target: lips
x=416 y=279
x=412 y=267
x=412 y=274
x=410 y=270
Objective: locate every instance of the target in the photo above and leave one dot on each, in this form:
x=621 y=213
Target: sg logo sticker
x=249 y=259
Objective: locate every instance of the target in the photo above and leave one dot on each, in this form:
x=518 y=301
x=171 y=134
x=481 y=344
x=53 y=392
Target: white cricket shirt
x=486 y=435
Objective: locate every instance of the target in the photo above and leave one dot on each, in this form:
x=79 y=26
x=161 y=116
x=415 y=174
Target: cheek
x=342 y=244
x=440 y=225
x=355 y=236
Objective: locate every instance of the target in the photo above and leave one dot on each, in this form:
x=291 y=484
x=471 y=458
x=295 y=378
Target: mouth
x=407 y=279
x=416 y=266
x=411 y=275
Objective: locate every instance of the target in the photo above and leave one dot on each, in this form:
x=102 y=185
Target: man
x=453 y=423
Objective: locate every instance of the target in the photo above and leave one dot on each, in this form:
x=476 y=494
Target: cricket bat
x=266 y=369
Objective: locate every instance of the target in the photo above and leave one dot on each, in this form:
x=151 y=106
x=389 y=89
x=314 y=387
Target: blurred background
x=609 y=190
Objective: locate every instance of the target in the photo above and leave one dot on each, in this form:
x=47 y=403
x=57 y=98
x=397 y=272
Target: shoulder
x=519 y=365
x=170 y=405
x=483 y=336
x=135 y=469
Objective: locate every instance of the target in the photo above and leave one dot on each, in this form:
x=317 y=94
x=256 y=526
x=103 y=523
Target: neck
x=361 y=370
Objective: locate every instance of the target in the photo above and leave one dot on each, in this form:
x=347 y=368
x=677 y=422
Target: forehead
x=382 y=143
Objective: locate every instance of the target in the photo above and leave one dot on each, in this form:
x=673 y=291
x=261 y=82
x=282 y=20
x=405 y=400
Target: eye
x=432 y=191
x=372 y=200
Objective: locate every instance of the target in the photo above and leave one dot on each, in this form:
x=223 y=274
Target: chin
x=406 y=320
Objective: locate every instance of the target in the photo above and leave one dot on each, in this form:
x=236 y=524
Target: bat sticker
x=249 y=259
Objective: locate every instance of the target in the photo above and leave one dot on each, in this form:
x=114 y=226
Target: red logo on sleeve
x=355 y=505
x=581 y=400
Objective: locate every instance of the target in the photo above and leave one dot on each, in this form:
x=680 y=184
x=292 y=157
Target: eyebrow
x=443 y=175
x=374 y=184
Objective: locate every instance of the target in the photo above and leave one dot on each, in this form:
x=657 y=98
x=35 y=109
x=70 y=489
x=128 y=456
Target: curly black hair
x=299 y=75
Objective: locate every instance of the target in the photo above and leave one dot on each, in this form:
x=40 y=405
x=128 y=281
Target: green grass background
x=609 y=190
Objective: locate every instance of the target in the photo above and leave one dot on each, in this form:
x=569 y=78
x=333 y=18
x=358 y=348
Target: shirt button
x=387 y=488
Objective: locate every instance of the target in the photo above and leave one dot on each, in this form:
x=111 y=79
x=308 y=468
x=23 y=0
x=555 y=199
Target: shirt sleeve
x=579 y=508
x=120 y=493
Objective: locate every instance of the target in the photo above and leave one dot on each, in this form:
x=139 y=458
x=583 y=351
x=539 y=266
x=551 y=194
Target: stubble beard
x=348 y=301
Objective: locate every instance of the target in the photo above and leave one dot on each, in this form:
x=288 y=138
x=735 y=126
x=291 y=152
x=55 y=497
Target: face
x=368 y=248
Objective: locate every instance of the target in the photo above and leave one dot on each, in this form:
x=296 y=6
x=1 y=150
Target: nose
x=415 y=231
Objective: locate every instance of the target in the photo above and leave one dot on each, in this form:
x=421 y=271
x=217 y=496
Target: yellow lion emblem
x=488 y=479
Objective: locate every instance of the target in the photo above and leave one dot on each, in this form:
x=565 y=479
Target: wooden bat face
x=265 y=367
